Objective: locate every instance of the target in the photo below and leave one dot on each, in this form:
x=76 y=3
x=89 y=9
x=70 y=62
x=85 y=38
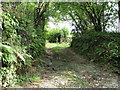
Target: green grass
x=23 y=80
x=57 y=45
x=74 y=77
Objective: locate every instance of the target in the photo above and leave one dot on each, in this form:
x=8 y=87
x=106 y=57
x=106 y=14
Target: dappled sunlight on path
x=65 y=69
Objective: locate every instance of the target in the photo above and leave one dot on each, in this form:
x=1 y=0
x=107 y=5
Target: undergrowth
x=100 y=47
x=22 y=80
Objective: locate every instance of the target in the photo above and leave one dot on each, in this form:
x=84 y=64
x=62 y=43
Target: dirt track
x=65 y=69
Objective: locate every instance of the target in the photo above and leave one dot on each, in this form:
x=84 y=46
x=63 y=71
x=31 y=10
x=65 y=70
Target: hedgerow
x=99 y=47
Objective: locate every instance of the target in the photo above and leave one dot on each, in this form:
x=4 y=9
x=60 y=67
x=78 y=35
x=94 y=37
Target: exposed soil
x=66 y=69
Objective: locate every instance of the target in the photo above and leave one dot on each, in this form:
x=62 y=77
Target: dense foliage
x=13 y=56
x=99 y=46
x=24 y=36
x=22 y=41
x=86 y=15
x=57 y=35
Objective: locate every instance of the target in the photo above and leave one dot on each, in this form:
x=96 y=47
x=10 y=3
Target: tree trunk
x=59 y=39
x=39 y=19
x=77 y=26
x=119 y=10
x=119 y=15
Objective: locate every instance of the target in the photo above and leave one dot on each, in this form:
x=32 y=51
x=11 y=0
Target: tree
x=40 y=15
x=85 y=15
x=57 y=34
x=119 y=10
x=71 y=13
x=20 y=40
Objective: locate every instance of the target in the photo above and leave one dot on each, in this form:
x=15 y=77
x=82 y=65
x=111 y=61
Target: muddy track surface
x=66 y=69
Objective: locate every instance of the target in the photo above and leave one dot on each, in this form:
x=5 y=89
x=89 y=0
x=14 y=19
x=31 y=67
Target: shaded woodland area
x=28 y=43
